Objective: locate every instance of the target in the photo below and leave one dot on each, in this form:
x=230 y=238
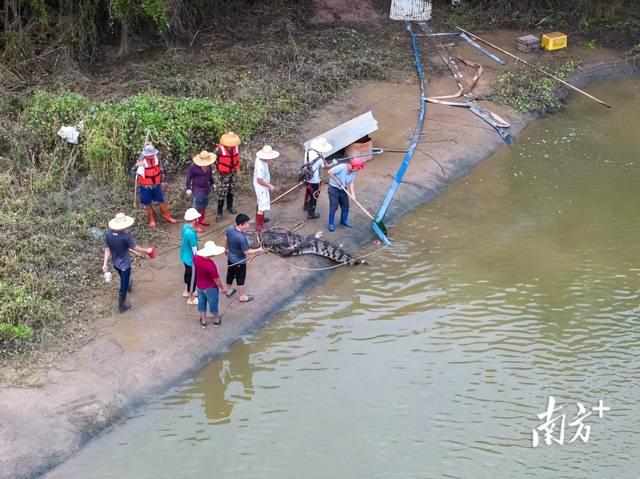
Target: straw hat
x=267 y=153
x=357 y=163
x=321 y=145
x=191 y=214
x=210 y=249
x=121 y=222
x=149 y=150
x=204 y=158
x=230 y=139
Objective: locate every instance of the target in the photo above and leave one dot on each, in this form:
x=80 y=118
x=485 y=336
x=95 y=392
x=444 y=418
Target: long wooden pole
x=288 y=191
x=569 y=85
x=357 y=203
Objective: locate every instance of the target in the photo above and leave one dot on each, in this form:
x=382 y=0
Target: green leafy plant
x=114 y=130
x=10 y=331
x=527 y=90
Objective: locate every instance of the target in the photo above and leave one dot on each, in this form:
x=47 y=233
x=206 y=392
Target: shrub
x=115 y=130
x=527 y=90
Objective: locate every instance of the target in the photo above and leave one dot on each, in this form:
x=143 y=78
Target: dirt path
x=140 y=354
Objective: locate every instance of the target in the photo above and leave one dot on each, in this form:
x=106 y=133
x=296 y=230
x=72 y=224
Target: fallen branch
x=194 y=37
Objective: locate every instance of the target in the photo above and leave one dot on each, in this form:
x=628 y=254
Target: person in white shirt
x=314 y=162
x=262 y=184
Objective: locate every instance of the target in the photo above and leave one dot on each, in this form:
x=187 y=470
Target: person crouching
x=208 y=282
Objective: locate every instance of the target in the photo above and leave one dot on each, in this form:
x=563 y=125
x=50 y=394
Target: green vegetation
x=113 y=130
x=614 y=22
x=527 y=90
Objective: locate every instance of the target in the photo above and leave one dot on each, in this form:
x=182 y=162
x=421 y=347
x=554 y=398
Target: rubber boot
x=122 y=302
x=220 y=209
x=307 y=198
x=344 y=218
x=130 y=288
x=230 y=207
x=260 y=227
x=311 y=211
x=202 y=220
x=164 y=211
x=198 y=228
x=331 y=225
x=264 y=218
x=151 y=216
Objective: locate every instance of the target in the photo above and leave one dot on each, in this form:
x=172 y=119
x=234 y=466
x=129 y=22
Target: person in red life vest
x=150 y=177
x=262 y=184
x=227 y=166
x=199 y=183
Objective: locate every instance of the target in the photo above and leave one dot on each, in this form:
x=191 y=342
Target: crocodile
x=286 y=243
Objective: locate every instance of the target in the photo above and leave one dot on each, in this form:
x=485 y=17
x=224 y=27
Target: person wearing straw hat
x=262 y=184
x=208 y=282
x=188 y=249
x=199 y=182
x=314 y=161
x=118 y=243
x=341 y=177
x=227 y=167
x=150 y=178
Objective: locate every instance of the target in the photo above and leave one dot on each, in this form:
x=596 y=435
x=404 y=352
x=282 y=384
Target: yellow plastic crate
x=554 y=41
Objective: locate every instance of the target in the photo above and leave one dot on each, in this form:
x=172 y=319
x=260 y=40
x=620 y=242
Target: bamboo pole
x=358 y=203
x=569 y=85
x=288 y=191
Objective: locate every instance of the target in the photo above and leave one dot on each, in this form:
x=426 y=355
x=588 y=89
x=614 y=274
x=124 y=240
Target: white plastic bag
x=71 y=133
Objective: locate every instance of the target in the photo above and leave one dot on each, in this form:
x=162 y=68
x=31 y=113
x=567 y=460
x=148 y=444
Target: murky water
x=518 y=283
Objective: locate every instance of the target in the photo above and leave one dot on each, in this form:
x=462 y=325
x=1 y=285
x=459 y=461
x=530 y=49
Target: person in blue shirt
x=118 y=243
x=341 y=177
x=188 y=249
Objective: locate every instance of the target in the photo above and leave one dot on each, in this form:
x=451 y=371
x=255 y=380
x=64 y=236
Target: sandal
x=233 y=291
x=249 y=298
x=203 y=323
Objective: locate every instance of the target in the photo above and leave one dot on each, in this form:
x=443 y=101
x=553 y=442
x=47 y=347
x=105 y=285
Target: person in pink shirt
x=208 y=282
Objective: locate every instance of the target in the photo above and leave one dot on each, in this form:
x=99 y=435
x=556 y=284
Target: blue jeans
x=125 y=279
x=337 y=197
x=209 y=295
x=200 y=201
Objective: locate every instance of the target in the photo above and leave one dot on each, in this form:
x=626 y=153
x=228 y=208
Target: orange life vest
x=152 y=172
x=228 y=159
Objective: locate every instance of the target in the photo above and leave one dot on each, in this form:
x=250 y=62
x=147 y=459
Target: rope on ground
x=220 y=315
x=444 y=173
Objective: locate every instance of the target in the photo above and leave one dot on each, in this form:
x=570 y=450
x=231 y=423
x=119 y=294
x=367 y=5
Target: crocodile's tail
x=321 y=247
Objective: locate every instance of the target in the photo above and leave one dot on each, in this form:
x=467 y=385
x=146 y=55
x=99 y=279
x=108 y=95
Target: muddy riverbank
x=140 y=354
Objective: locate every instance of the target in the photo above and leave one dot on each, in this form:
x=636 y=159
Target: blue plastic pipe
x=414 y=141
